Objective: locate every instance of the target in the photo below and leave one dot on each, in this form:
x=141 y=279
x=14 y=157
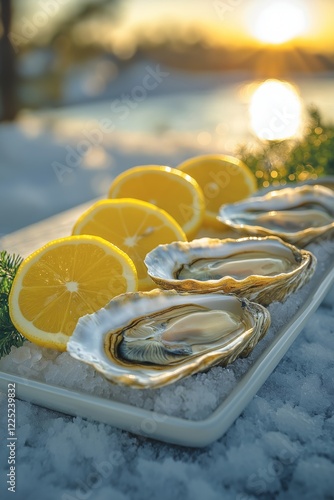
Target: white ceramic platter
x=125 y=416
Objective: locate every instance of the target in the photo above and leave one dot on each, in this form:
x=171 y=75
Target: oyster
x=327 y=181
x=260 y=269
x=150 y=339
x=297 y=215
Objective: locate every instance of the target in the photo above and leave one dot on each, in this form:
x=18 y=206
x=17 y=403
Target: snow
x=280 y=447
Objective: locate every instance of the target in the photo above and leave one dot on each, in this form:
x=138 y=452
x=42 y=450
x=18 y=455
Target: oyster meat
x=297 y=215
x=175 y=334
x=260 y=269
x=238 y=266
x=150 y=339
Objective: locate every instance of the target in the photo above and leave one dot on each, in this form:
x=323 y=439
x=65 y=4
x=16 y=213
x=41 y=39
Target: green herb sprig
x=9 y=336
x=277 y=163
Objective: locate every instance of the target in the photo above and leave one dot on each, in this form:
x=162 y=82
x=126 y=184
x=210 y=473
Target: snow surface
x=281 y=446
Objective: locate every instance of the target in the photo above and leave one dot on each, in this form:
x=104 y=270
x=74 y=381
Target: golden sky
x=234 y=21
x=307 y=23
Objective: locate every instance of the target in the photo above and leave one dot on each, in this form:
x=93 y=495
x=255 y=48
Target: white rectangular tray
x=148 y=423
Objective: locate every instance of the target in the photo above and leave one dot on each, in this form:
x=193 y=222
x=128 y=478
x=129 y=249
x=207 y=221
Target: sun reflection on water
x=275 y=110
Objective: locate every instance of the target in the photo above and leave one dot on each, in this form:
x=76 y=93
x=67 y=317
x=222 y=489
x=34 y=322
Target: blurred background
x=90 y=88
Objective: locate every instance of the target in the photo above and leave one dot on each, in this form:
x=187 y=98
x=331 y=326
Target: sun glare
x=275 y=110
x=279 y=22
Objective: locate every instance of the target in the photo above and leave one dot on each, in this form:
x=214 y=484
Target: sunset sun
x=279 y=22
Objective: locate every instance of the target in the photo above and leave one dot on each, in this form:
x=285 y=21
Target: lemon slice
x=223 y=179
x=167 y=188
x=134 y=226
x=64 y=280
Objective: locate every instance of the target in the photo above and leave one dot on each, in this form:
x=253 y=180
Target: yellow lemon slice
x=223 y=179
x=134 y=226
x=167 y=188
x=64 y=280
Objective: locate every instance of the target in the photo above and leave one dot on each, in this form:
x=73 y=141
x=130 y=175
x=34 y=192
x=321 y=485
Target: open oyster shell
x=151 y=339
x=260 y=269
x=327 y=181
x=297 y=215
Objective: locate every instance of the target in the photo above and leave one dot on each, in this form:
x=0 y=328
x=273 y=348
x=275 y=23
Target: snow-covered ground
x=280 y=447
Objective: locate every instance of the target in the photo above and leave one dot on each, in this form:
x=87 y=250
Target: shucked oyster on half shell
x=151 y=339
x=297 y=215
x=260 y=269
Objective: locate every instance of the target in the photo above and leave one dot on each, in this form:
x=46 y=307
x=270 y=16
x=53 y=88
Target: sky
x=233 y=22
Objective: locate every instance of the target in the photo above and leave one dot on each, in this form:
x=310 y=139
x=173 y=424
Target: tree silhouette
x=9 y=103
x=7 y=65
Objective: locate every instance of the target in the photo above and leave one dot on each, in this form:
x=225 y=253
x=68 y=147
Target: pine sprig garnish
x=9 y=336
x=277 y=163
